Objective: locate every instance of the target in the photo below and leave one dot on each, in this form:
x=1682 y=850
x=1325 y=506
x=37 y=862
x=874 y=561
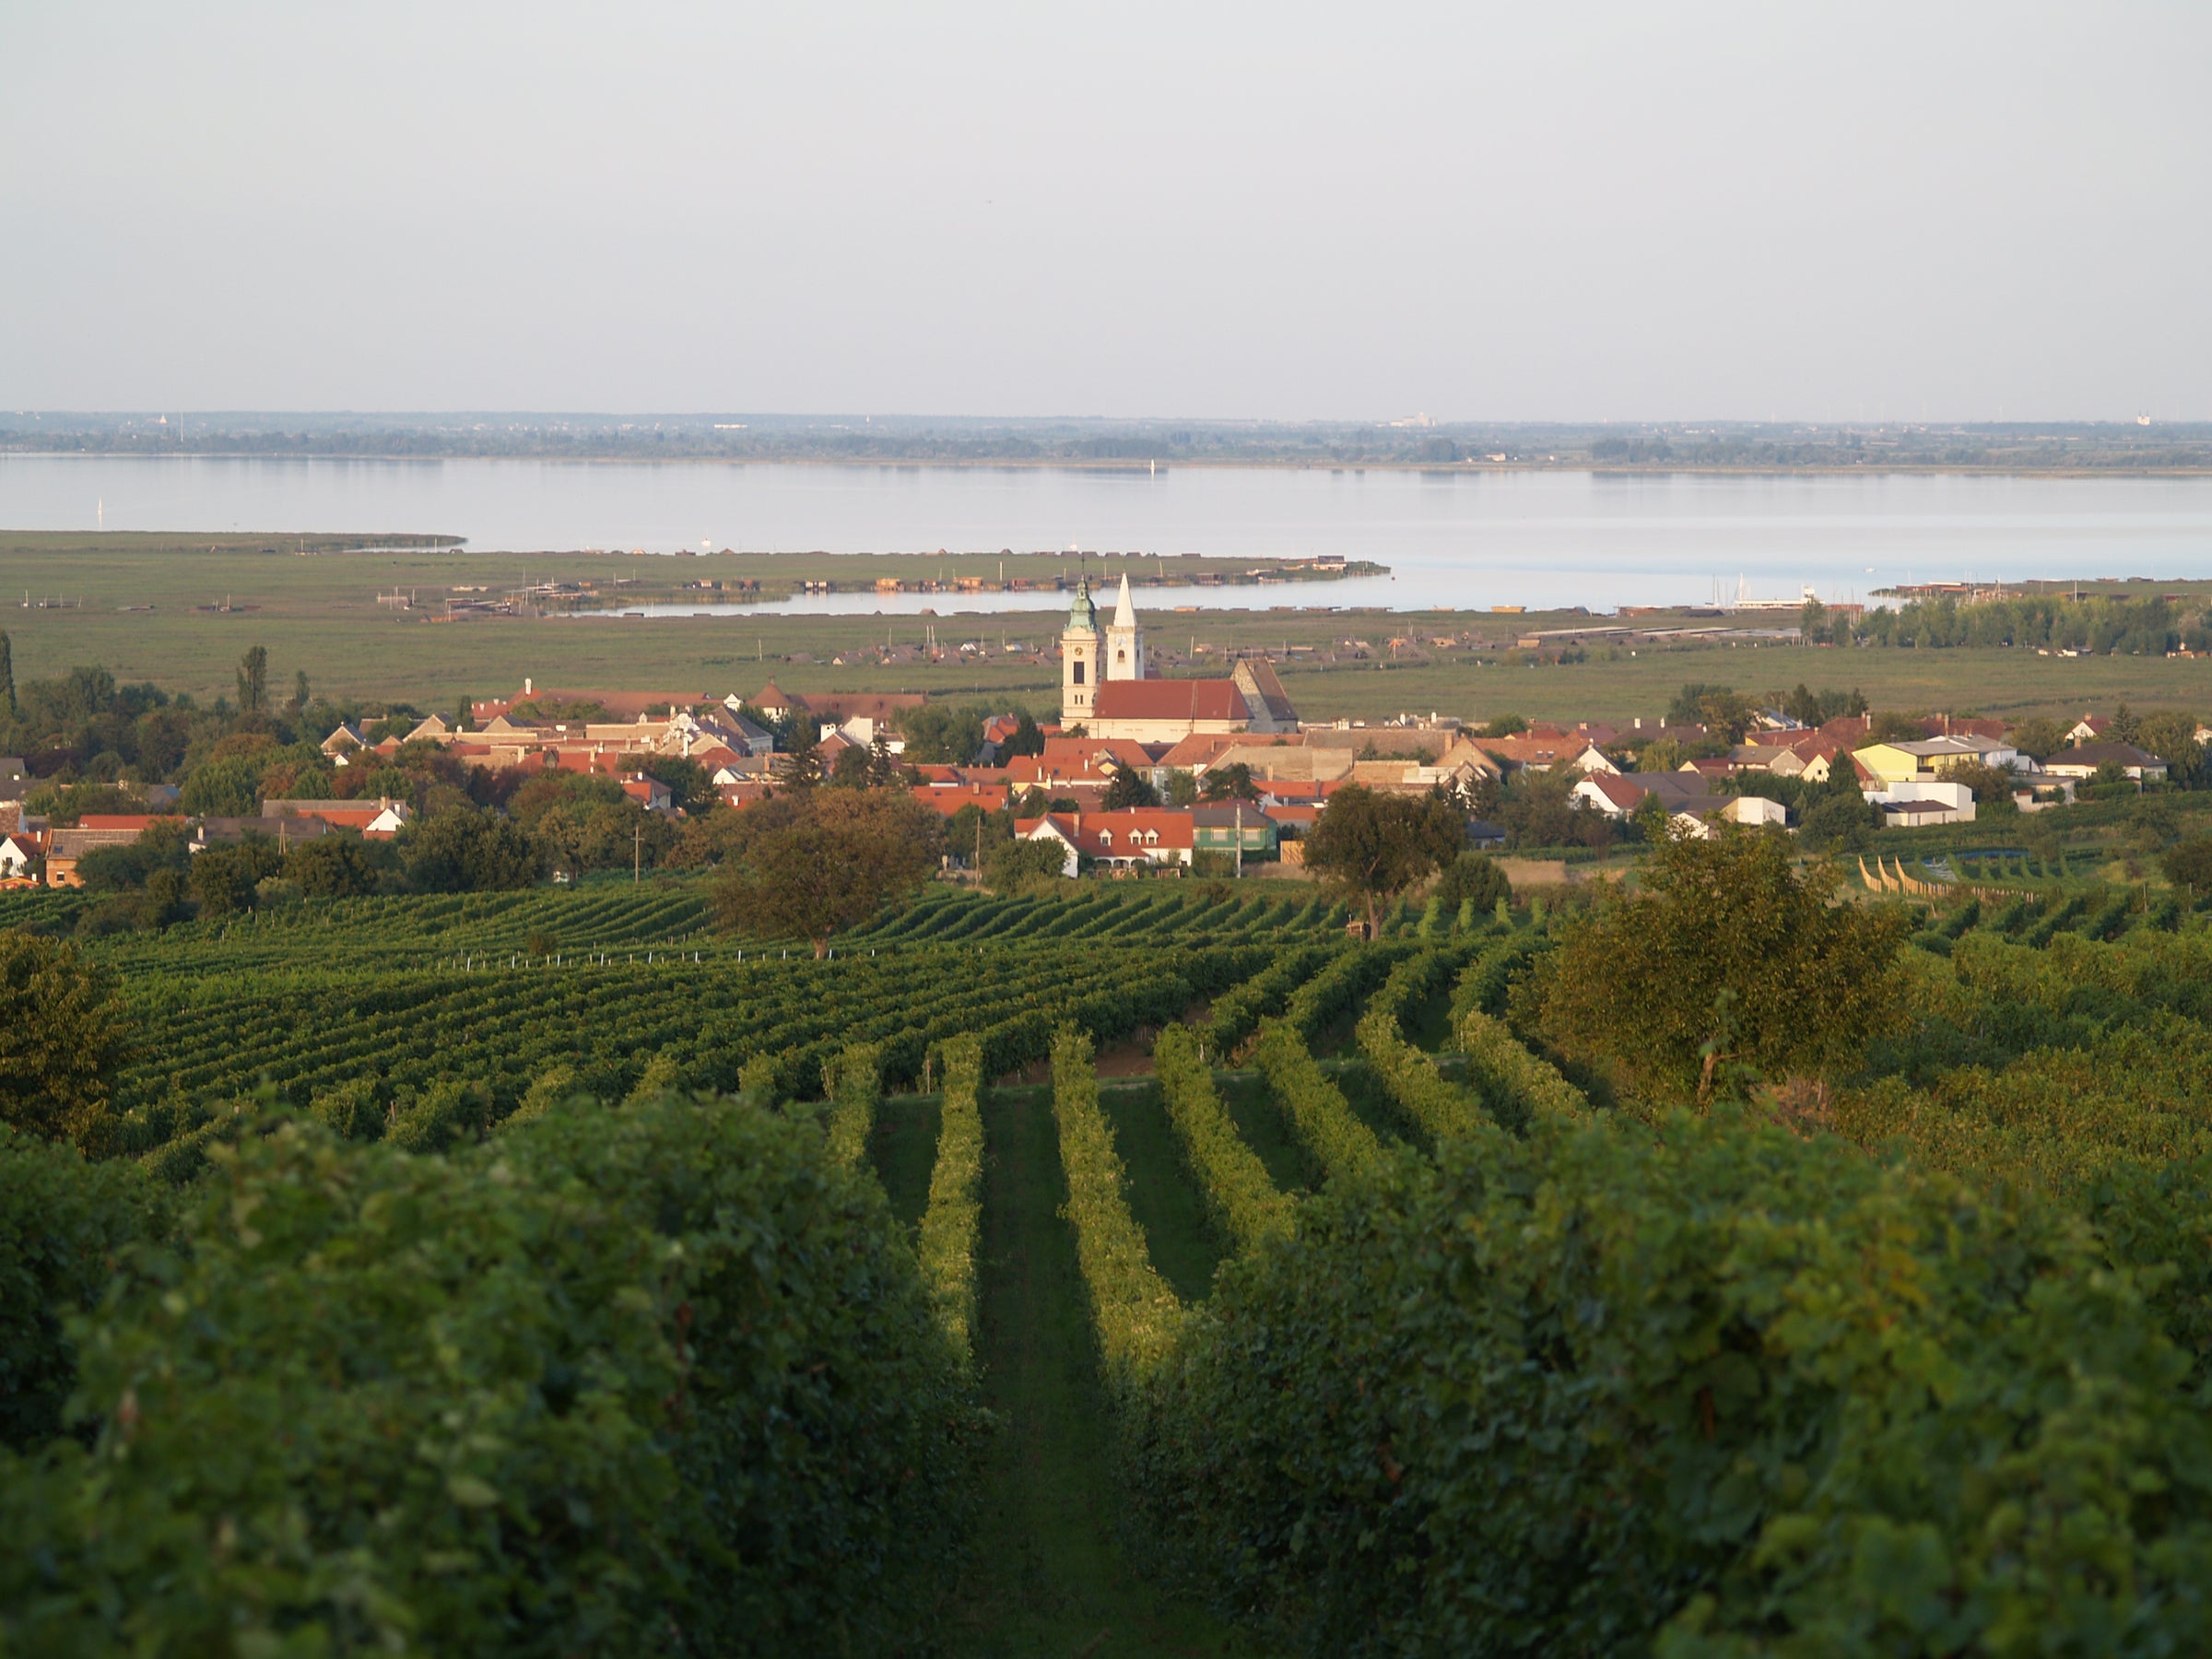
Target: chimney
x=1640 y=722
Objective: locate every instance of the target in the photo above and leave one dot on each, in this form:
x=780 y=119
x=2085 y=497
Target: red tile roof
x=1170 y=700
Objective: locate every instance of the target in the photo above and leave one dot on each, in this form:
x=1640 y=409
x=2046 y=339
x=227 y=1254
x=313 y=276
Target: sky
x=1968 y=210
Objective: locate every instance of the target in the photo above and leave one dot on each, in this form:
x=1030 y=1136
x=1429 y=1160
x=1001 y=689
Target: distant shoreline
x=1036 y=463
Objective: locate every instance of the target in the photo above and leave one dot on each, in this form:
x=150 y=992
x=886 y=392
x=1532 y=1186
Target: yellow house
x=1891 y=762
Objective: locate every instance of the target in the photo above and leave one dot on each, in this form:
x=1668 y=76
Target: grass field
x=319 y=613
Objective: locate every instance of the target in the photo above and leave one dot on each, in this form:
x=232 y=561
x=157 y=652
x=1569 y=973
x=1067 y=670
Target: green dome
x=1083 y=614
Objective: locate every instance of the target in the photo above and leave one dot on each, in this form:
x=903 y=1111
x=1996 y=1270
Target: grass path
x=1049 y=1578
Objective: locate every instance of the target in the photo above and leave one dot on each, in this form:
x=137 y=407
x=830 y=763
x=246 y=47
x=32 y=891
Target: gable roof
x=1169 y=699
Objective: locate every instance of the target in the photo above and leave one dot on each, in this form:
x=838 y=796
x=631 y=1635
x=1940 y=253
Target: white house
x=1924 y=801
x=1051 y=827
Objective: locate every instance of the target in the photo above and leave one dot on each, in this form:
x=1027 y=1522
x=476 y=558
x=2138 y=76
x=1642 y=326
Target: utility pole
x=1240 y=839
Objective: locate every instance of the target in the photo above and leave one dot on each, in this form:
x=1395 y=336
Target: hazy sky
x=1959 y=210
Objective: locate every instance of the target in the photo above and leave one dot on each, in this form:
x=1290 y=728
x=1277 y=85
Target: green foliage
x=630 y=1381
x=1519 y=1088
x=63 y=1224
x=1242 y=1201
x=840 y=858
x=1134 y=1311
x=1130 y=788
x=1320 y=1117
x=1438 y=1109
x=2189 y=863
x=1727 y=962
x=1472 y=878
x=463 y=852
x=852 y=1084
x=1728 y=1388
x=948 y=1238
x=1372 y=847
x=1238 y=1014
x=62 y=1040
x=1024 y=866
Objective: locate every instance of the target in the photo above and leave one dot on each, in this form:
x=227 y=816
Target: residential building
x=2083 y=760
x=1226 y=829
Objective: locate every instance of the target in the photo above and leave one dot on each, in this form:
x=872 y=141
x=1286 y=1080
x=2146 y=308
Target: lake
x=1452 y=539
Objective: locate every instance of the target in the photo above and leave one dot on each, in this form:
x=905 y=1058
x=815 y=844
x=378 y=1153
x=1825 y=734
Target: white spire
x=1124 y=614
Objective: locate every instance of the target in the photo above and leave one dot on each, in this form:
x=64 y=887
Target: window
x=1079 y=671
x=1105 y=838
x=1121 y=656
x=1151 y=837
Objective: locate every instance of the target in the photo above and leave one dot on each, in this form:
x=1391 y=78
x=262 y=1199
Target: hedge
x=852 y=1084
x=1320 y=1116
x=947 y=1240
x=1520 y=1089
x=1134 y=1311
x=652 y=1379
x=1725 y=1390
x=1241 y=1198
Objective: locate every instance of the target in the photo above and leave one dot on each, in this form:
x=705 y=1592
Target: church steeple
x=1124 y=640
x=1081 y=658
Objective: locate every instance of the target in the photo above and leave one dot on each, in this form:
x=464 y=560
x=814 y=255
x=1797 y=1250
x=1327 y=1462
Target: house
x=18 y=851
x=1541 y=754
x=649 y=792
x=1143 y=835
x=284 y=831
x=342 y=743
x=1928 y=800
x=2088 y=728
x=65 y=847
x=1901 y=760
x=2083 y=760
x=1753 y=810
x=380 y=819
x=1611 y=794
x=1228 y=829
x=12 y=769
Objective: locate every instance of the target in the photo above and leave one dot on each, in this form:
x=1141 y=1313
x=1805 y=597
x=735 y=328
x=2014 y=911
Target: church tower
x=1082 y=659
x=1124 y=640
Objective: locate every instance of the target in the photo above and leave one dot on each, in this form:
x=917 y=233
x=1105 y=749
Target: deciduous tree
x=1727 y=963
x=836 y=861
x=64 y=1036
x=1372 y=847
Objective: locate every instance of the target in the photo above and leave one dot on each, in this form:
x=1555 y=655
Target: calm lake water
x=1451 y=539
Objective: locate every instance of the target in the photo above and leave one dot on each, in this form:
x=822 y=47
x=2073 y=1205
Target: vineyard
x=1310 y=1303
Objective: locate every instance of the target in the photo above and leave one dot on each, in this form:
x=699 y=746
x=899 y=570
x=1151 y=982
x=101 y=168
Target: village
x=1140 y=773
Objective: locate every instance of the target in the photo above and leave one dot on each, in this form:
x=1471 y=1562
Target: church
x=1109 y=690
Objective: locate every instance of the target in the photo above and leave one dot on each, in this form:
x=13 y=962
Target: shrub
x=61 y=1041
x=1547 y=1396
x=651 y=1379
x=946 y=1239
x=1241 y=1198
x=63 y=1224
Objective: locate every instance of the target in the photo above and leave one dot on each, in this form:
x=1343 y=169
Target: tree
x=62 y=1041
x=691 y=785
x=851 y=769
x=229 y=787
x=800 y=765
x=2038 y=738
x=1839 y=823
x=1027 y=738
x=1016 y=867
x=834 y=864
x=1727 y=963
x=331 y=866
x=940 y=735
x=2189 y=863
x=7 y=673
x=1230 y=782
x=1372 y=847
x=1727 y=714
x=1893 y=725
x=1182 y=789
x=223 y=878
x=253 y=681
x=1471 y=877
x=472 y=852
x=299 y=693
x=1130 y=788
x=1688 y=707
x=1505 y=725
